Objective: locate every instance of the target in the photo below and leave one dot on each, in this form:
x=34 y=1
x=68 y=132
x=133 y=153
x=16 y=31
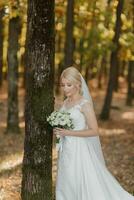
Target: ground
x=116 y=135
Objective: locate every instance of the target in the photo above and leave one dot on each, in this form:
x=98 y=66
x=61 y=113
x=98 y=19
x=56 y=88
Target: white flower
x=60 y=119
x=58 y=136
x=62 y=122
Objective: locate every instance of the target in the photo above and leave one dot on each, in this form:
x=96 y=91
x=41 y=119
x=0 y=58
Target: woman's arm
x=91 y=121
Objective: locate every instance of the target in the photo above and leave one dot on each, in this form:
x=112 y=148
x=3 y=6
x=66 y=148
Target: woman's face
x=68 y=87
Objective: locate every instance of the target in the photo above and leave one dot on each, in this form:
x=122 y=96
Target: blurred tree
x=113 y=63
x=102 y=72
x=69 y=39
x=81 y=48
x=23 y=63
x=37 y=162
x=13 y=46
x=130 y=91
x=1 y=43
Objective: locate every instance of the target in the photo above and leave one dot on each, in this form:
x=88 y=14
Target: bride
x=82 y=173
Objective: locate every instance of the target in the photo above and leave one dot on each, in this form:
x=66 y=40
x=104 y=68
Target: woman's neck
x=74 y=98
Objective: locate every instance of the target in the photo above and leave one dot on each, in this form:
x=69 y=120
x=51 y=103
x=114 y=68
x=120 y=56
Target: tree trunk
x=123 y=68
x=37 y=161
x=108 y=2
x=86 y=73
x=103 y=66
x=113 y=63
x=81 y=54
x=130 y=90
x=1 y=45
x=23 y=64
x=59 y=71
x=12 y=118
x=69 y=41
x=89 y=70
x=101 y=72
x=116 y=85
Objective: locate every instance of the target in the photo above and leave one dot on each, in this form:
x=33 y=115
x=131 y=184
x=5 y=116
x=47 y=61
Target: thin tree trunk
x=113 y=63
x=101 y=72
x=103 y=66
x=60 y=66
x=12 y=118
x=81 y=54
x=108 y=2
x=116 y=85
x=86 y=73
x=130 y=90
x=1 y=45
x=59 y=70
x=23 y=64
x=37 y=161
x=69 y=41
x=123 y=68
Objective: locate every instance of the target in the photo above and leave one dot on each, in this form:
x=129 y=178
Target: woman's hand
x=61 y=131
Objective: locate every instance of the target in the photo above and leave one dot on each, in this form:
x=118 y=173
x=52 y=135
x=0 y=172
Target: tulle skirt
x=82 y=176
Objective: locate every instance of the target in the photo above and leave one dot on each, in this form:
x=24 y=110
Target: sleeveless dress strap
x=83 y=102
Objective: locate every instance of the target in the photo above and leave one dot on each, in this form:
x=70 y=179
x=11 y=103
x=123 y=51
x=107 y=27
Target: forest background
x=95 y=36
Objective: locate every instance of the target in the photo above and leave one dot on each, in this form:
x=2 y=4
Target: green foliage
x=94 y=24
x=94 y=30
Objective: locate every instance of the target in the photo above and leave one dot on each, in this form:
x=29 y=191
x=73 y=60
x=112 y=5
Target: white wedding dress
x=81 y=174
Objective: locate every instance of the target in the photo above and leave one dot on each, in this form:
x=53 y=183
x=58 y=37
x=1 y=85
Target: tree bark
x=12 y=118
x=37 y=161
x=69 y=41
x=113 y=63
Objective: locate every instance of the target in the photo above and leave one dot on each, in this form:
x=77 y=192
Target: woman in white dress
x=81 y=171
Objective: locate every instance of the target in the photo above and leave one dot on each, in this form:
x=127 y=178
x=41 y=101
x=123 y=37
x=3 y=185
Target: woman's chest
x=77 y=117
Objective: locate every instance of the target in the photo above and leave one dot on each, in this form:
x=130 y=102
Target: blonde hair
x=72 y=75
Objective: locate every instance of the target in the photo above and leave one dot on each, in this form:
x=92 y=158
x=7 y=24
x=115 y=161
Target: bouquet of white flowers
x=60 y=119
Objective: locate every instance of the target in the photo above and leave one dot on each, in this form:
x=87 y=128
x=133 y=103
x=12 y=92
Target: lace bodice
x=79 y=122
x=76 y=114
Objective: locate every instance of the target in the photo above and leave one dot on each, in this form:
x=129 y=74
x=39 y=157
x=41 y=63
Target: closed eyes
x=62 y=85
